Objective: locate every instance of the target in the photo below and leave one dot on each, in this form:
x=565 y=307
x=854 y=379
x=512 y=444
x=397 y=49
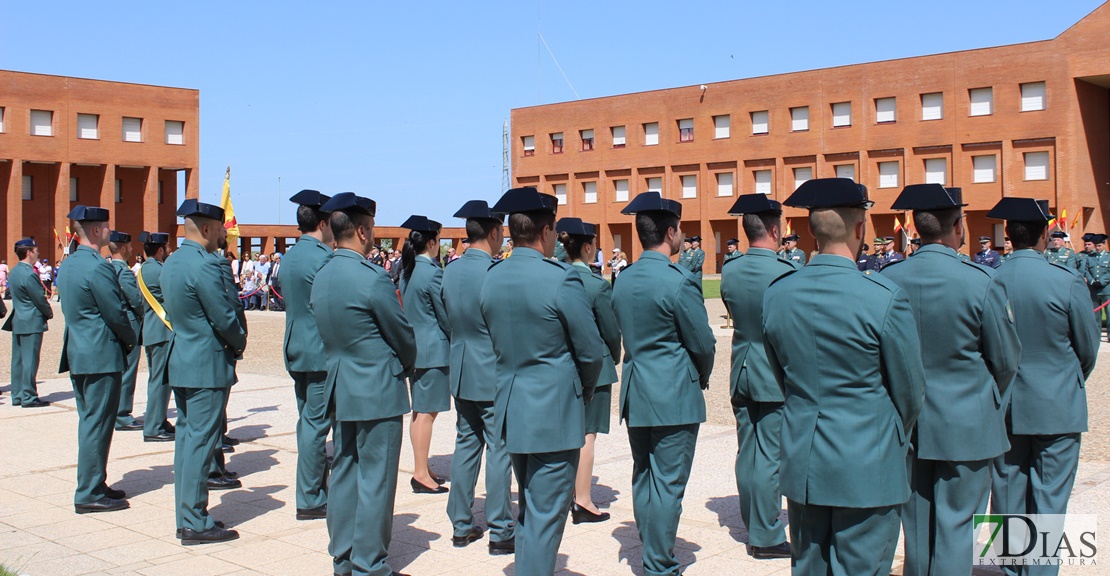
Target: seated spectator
x=251 y=296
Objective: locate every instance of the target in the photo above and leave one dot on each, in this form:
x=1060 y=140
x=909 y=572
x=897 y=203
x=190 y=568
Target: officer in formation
x=119 y=244
x=1058 y=253
x=846 y=423
x=97 y=341
x=1088 y=251
x=549 y=357
x=1059 y=345
x=156 y=337
x=885 y=253
x=863 y=261
x=219 y=477
x=304 y=352
x=757 y=399
x=1096 y=271
x=916 y=243
x=962 y=311
x=986 y=255
x=473 y=380
x=669 y=350
x=733 y=247
x=208 y=336
x=790 y=250
x=1007 y=249
x=30 y=312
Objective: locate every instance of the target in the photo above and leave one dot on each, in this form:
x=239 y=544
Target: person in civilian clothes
x=30 y=312
x=156 y=337
x=119 y=244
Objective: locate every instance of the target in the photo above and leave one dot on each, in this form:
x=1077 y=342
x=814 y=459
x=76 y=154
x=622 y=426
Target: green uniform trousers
x=831 y=541
x=157 y=390
x=127 y=388
x=938 y=516
x=661 y=461
x=1035 y=477
x=218 y=466
x=313 y=425
x=758 y=440
x=97 y=397
x=546 y=483
x=473 y=433
x=198 y=429
x=1099 y=300
x=25 y=367
x=362 y=494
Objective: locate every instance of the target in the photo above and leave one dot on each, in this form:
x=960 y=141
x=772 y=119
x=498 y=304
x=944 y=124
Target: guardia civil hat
x=117 y=237
x=1089 y=237
x=1021 y=210
x=418 y=223
x=829 y=193
x=194 y=207
x=154 y=237
x=311 y=198
x=1058 y=234
x=575 y=227
x=1099 y=238
x=653 y=202
x=928 y=197
x=350 y=202
x=82 y=213
x=526 y=199
x=790 y=238
x=755 y=204
x=732 y=242
x=478 y=210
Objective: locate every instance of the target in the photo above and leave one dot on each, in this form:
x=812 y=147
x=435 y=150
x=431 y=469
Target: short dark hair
x=309 y=218
x=525 y=227
x=343 y=225
x=1025 y=234
x=152 y=249
x=479 y=228
x=652 y=227
x=932 y=225
x=756 y=226
x=22 y=251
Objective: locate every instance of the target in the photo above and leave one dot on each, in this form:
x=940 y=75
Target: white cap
x=616 y=249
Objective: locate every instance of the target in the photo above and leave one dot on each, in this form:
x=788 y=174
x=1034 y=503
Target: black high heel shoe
x=579 y=515
x=418 y=488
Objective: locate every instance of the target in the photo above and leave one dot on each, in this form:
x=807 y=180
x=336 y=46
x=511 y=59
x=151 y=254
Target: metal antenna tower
x=505 y=157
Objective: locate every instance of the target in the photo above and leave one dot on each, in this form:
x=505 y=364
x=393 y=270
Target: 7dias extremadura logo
x=1035 y=540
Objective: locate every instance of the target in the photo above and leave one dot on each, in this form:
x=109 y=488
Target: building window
x=87 y=126
x=888 y=174
x=982 y=101
x=689 y=186
x=620 y=188
x=561 y=193
x=842 y=114
x=72 y=189
x=724 y=184
x=760 y=122
x=686 y=130
x=1032 y=96
x=655 y=185
x=42 y=123
x=762 y=181
x=557 y=143
x=618 y=136
x=984 y=168
x=132 y=129
x=28 y=188
x=885 y=109
x=160 y=183
x=1 y=119
x=936 y=171
x=587 y=137
x=529 y=143
x=651 y=134
x=589 y=192
x=175 y=132
x=932 y=106
x=846 y=171
x=119 y=190
x=801 y=175
x=721 y=126
x=1036 y=165
x=799 y=119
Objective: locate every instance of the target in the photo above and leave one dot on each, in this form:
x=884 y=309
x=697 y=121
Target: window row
x=882 y=110
x=28 y=189
x=88 y=127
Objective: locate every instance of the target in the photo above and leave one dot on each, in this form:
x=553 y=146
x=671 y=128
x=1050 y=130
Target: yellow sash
x=153 y=302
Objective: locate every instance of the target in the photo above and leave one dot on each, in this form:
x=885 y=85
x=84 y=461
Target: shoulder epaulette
x=783 y=276
x=881 y=280
x=681 y=270
x=733 y=259
x=1062 y=266
x=495 y=263
x=558 y=263
x=373 y=266
x=989 y=271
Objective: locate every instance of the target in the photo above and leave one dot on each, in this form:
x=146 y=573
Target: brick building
x=1023 y=120
x=68 y=141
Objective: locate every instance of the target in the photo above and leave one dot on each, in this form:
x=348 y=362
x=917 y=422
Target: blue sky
x=404 y=101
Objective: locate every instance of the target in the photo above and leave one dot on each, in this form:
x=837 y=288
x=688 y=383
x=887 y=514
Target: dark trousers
x=157 y=390
x=758 y=440
x=313 y=425
x=199 y=413
x=97 y=397
x=945 y=496
x=546 y=483
x=661 y=460
x=127 y=386
x=831 y=541
x=25 y=367
x=473 y=434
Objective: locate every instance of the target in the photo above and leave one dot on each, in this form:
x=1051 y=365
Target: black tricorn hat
x=755 y=204
x=422 y=224
x=526 y=199
x=350 y=202
x=928 y=197
x=575 y=227
x=82 y=213
x=194 y=207
x=117 y=237
x=154 y=237
x=1021 y=210
x=653 y=202
x=478 y=210
x=830 y=193
x=311 y=198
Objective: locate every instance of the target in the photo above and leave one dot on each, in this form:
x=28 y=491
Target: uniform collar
x=348 y=253
x=939 y=249
x=1026 y=253
x=833 y=260
x=580 y=264
x=527 y=252
x=653 y=255
x=478 y=254
x=765 y=252
x=424 y=257
x=83 y=248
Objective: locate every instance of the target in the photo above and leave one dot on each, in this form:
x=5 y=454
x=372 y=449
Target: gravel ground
x=264 y=356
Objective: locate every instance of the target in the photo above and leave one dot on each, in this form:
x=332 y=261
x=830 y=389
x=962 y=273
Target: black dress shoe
x=213 y=534
x=463 y=541
x=579 y=515
x=503 y=547
x=228 y=449
x=36 y=403
x=105 y=504
x=229 y=441
x=223 y=483
x=161 y=437
x=418 y=488
x=130 y=427
x=226 y=474
x=768 y=552
x=178 y=533
x=312 y=513
x=115 y=494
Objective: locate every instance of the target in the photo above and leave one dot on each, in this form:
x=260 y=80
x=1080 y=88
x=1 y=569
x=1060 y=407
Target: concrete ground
x=41 y=535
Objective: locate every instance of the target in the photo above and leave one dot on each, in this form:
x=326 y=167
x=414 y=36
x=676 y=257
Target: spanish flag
x=229 y=213
x=897 y=225
x=789 y=229
x=1064 y=219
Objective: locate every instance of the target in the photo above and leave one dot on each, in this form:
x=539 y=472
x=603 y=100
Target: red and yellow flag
x=229 y=212
x=897 y=225
x=789 y=229
x=1064 y=219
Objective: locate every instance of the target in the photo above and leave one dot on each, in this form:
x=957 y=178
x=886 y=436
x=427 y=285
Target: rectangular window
x=982 y=101
x=655 y=185
x=28 y=188
x=689 y=186
x=160 y=191
x=762 y=181
x=618 y=136
x=932 y=106
x=1036 y=165
x=760 y=122
x=560 y=193
x=984 y=168
x=1032 y=96
x=721 y=126
x=842 y=114
x=529 y=143
x=42 y=123
x=87 y=126
x=557 y=143
x=620 y=188
x=651 y=134
x=885 y=110
x=799 y=118
x=132 y=129
x=888 y=174
x=936 y=171
x=72 y=189
x=119 y=190
x=587 y=139
x=589 y=192
x=1 y=119
x=175 y=132
x=724 y=184
x=686 y=130
x=846 y=171
x=801 y=175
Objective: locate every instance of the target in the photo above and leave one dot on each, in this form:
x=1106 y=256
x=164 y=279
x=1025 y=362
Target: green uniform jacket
x=743 y=284
x=422 y=298
x=473 y=373
x=369 y=344
x=844 y=346
x=303 y=348
x=1059 y=345
x=1097 y=272
x=733 y=255
x=668 y=344
x=207 y=334
x=1064 y=256
x=154 y=330
x=132 y=296
x=797 y=256
x=93 y=305
x=600 y=295
x=230 y=290
x=30 y=309
x=697 y=260
x=970 y=358
x=549 y=352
